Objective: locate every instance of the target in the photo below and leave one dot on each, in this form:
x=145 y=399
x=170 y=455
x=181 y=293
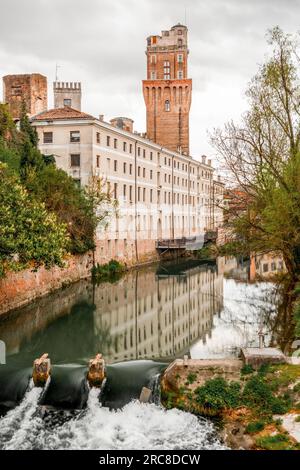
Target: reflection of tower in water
x=150 y=317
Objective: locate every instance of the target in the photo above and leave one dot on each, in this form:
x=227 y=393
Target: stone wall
x=28 y=88
x=20 y=288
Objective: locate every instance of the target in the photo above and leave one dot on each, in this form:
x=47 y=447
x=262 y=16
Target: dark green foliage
x=28 y=233
x=258 y=394
x=107 y=272
x=247 y=369
x=255 y=426
x=276 y=442
x=70 y=203
x=217 y=394
x=191 y=378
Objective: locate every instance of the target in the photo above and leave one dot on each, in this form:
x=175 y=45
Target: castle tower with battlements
x=168 y=90
x=67 y=94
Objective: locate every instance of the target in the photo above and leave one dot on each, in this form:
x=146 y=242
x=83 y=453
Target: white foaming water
x=16 y=424
x=136 y=426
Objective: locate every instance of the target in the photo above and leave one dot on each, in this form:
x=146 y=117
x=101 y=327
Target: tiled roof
x=61 y=113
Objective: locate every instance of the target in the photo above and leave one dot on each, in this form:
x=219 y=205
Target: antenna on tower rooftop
x=56 y=72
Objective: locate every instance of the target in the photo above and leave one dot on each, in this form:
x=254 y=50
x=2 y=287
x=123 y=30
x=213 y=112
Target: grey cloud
x=102 y=43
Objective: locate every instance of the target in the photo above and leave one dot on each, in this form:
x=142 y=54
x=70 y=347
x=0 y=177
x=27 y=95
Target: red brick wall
x=168 y=128
x=32 y=89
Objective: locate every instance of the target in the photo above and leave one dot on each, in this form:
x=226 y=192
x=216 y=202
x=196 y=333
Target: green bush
x=255 y=427
x=107 y=272
x=28 y=233
x=217 y=394
x=191 y=378
x=247 y=369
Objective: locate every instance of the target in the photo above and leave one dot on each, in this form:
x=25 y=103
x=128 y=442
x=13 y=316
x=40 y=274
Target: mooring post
x=41 y=370
x=145 y=395
x=261 y=338
x=96 y=372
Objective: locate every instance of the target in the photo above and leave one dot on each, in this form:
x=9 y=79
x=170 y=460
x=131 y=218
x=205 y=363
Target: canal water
x=139 y=323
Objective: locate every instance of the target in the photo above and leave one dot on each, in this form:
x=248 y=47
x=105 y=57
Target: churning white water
x=136 y=426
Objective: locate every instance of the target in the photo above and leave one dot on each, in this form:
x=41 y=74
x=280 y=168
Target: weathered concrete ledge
x=255 y=357
x=205 y=369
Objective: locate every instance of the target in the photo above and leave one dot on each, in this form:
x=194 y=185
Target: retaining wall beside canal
x=20 y=288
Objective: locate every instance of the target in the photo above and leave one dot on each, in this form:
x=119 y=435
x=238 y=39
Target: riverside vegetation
x=249 y=406
x=44 y=214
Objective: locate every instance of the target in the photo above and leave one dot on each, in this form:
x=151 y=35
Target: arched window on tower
x=167 y=105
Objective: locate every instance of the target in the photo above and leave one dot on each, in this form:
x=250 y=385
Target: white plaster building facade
x=161 y=193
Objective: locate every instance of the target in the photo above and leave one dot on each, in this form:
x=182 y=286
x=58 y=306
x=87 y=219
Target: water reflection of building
x=266 y=266
x=155 y=317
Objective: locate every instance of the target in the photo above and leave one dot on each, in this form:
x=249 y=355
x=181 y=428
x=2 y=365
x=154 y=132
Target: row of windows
x=167 y=75
x=153 y=60
x=127 y=193
x=75 y=138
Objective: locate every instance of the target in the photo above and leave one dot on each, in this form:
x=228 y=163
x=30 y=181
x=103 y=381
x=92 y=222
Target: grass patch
x=276 y=442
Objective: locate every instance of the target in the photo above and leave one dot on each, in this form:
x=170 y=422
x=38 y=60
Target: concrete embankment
x=256 y=399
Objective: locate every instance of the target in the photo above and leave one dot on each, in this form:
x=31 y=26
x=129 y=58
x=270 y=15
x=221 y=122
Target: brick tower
x=30 y=89
x=67 y=94
x=167 y=90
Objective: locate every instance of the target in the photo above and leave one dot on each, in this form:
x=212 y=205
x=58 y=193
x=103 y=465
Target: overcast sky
x=102 y=44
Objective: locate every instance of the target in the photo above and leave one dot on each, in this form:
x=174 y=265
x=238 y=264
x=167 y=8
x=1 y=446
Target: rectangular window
x=108 y=141
x=67 y=102
x=153 y=75
x=144 y=153
x=74 y=136
x=98 y=137
x=124 y=167
x=115 y=165
x=151 y=174
x=115 y=143
x=180 y=74
x=139 y=151
x=115 y=190
x=151 y=155
x=124 y=191
x=153 y=59
x=124 y=146
x=139 y=171
x=180 y=58
x=139 y=194
x=130 y=148
x=98 y=161
x=151 y=195
x=75 y=159
x=144 y=172
x=144 y=194
x=130 y=169
x=130 y=193
x=48 y=137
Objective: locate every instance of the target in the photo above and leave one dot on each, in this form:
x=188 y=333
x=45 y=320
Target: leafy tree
x=262 y=158
x=262 y=155
x=28 y=232
x=78 y=209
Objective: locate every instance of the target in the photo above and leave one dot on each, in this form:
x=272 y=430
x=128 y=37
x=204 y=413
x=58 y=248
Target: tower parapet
x=67 y=94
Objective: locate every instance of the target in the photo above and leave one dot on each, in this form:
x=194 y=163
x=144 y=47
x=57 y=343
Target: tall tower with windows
x=167 y=90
